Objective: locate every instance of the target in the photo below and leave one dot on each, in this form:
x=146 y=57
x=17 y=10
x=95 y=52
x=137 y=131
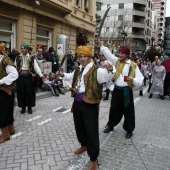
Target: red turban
x=125 y=50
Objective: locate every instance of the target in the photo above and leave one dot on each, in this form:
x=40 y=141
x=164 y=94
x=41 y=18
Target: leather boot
x=5 y=135
x=93 y=165
x=11 y=129
x=80 y=150
x=140 y=93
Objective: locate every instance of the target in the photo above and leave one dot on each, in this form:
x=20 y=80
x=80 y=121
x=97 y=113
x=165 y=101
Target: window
x=120 y=17
x=44 y=37
x=8 y=33
x=107 y=29
x=121 y=6
x=108 y=18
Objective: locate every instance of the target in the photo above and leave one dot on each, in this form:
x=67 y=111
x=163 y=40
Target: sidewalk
x=46 y=139
x=149 y=148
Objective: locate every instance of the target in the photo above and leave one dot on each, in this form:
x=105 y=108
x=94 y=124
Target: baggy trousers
x=87 y=126
x=118 y=110
x=6 y=109
x=25 y=91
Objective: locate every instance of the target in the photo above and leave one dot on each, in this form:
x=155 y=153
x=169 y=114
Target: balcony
x=139 y=13
x=82 y=14
x=60 y=5
x=138 y=35
x=142 y=2
x=138 y=25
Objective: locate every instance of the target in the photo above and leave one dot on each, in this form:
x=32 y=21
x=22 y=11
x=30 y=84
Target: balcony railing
x=138 y=25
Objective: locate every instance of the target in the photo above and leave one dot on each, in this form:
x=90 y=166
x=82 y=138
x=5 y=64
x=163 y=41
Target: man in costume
x=87 y=84
x=8 y=75
x=127 y=75
x=27 y=67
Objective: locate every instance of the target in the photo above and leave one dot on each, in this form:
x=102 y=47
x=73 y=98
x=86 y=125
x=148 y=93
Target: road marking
x=34 y=118
x=45 y=121
x=66 y=111
x=58 y=108
x=137 y=100
x=16 y=135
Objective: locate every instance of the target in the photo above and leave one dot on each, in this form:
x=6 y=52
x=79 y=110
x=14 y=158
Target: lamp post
x=124 y=35
x=152 y=40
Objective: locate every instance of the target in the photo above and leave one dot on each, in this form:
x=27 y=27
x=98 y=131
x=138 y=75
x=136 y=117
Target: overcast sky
x=168 y=8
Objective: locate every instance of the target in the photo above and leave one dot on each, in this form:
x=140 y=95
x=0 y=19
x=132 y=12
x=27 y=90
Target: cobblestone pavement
x=46 y=139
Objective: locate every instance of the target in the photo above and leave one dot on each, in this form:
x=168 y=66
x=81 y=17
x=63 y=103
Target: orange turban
x=86 y=50
x=2 y=48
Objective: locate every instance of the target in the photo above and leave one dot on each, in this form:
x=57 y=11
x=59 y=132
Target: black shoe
x=105 y=98
x=108 y=129
x=140 y=93
x=30 y=110
x=150 y=96
x=162 y=97
x=128 y=135
x=62 y=93
x=23 y=110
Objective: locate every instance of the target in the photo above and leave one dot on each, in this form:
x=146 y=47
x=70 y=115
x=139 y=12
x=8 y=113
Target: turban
x=86 y=50
x=25 y=45
x=125 y=50
x=2 y=48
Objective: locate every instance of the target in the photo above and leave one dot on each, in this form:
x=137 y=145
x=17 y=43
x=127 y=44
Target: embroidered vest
x=119 y=67
x=30 y=64
x=3 y=64
x=93 y=90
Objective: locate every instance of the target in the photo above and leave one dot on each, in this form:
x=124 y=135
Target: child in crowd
x=55 y=84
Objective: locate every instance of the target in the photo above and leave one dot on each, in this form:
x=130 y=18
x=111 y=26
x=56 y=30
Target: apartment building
x=167 y=36
x=39 y=22
x=127 y=17
x=160 y=7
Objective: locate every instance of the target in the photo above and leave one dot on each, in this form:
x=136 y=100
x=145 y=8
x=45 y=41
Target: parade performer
x=8 y=75
x=127 y=75
x=27 y=67
x=87 y=83
x=158 y=77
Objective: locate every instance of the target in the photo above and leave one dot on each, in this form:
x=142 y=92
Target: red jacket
x=166 y=64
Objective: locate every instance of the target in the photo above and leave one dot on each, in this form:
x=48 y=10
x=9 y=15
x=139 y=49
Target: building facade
x=132 y=17
x=167 y=36
x=160 y=7
x=40 y=22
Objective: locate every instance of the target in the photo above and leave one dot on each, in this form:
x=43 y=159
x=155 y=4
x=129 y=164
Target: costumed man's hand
x=98 y=42
x=107 y=65
x=60 y=74
x=130 y=79
x=43 y=78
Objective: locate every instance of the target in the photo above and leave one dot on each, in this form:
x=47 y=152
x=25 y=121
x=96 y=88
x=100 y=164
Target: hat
x=125 y=50
x=86 y=50
x=51 y=49
x=25 y=45
x=2 y=48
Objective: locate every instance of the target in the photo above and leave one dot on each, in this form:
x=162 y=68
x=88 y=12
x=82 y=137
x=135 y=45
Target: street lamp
x=124 y=35
x=152 y=40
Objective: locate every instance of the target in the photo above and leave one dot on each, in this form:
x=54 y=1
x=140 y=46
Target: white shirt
x=25 y=67
x=12 y=74
x=102 y=76
x=119 y=81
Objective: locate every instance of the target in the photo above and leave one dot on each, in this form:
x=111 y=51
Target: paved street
x=46 y=139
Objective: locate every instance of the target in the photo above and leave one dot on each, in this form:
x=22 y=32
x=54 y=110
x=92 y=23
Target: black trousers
x=118 y=110
x=25 y=91
x=167 y=84
x=6 y=109
x=87 y=127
